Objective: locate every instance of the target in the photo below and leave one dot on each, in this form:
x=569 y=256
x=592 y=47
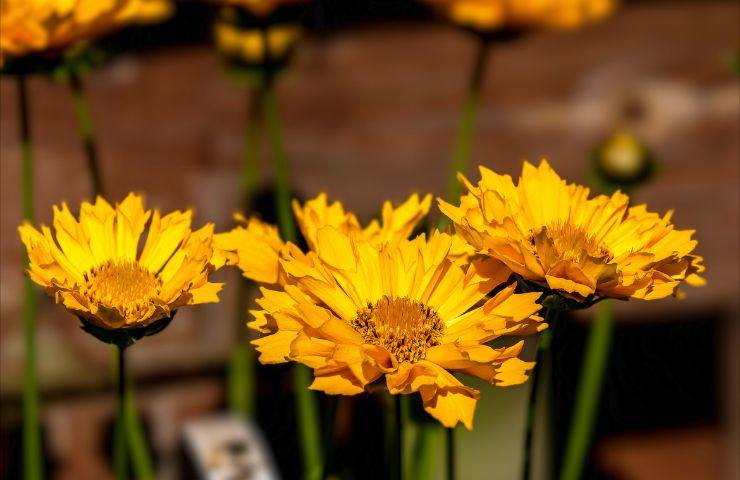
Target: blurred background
x=370 y=105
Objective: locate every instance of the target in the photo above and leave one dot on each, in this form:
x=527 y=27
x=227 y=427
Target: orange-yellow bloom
x=260 y=8
x=403 y=313
x=552 y=234
x=255 y=246
x=492 y=15
x=32 y=26
x=94 y=267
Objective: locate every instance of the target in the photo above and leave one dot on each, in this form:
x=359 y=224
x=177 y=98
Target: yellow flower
x=94 y=268
x=248 y=44
x=491 y=15
x=255 y=246
x=260 y=8
x=354 y=313
x=32 y=26
x=552 y=234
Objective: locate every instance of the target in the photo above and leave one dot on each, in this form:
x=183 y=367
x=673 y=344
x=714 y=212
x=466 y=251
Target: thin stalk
x=32 y=464
x=140 y=457
x=585 y=409
x=464 y=142
x=84 y=120
x=542 y=364
x=120 y=454
x=397 y=464
x=328 y=438
x=426 y=451
x=307 y=411
x=450 y=454
x=308 y=422
x=250 y=164
x=241 y=389
x=242 y=368
x=280 y=162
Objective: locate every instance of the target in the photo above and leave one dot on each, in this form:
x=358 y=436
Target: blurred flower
x=355 y=312
x=255 y=246
x=260 y=8
x=623 y=160
x=513 y=15
x=34 y=26
x=92 y=265
x=553 y=235
x=256 y=45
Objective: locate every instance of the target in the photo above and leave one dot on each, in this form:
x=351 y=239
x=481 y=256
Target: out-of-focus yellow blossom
x=403 y=313
x=260 y=8
x=492 y=15
x=34 y=26
x=551 y=233
x=256 y=246
x=93 y=266
x=248 y=44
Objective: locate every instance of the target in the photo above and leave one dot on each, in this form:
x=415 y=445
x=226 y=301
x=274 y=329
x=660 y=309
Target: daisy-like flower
x=403 y=313
x=553 y=235
x=514 y=15
x=93 y=266
x=47 y=26
x=255 y=246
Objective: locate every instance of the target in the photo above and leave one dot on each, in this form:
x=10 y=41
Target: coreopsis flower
x=553 y=235
x=515 y=15
x=94 y=267
x=403 y=313
x=255 y=246
x=51 y=26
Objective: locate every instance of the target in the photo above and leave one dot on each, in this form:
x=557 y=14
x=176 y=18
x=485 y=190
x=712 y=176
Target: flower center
x=573 y=243
x=125 y=286
x=403 y=327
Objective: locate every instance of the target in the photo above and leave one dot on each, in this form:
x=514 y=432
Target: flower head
x=513 y=15
x=34 y=26
x=403 y=313
x=552 y=234
x=255 y=246
x=93 y=266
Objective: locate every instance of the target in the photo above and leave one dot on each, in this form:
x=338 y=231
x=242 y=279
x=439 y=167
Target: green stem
x=242 y=368
x=241 y=379
x=120 y=456
x=250 y=165
x=328 y=438
x=426 y=450
x=280 y=162
x=464 y=142
x=397 y=463
x=450 y=453
x=84 y=120
x=589 y=390
x=136 y=441
x=307 y=411
x=538 y=384
x=32 y=464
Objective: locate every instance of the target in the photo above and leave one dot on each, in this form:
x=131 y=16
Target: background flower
x=255 y=246
x=490 y=15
